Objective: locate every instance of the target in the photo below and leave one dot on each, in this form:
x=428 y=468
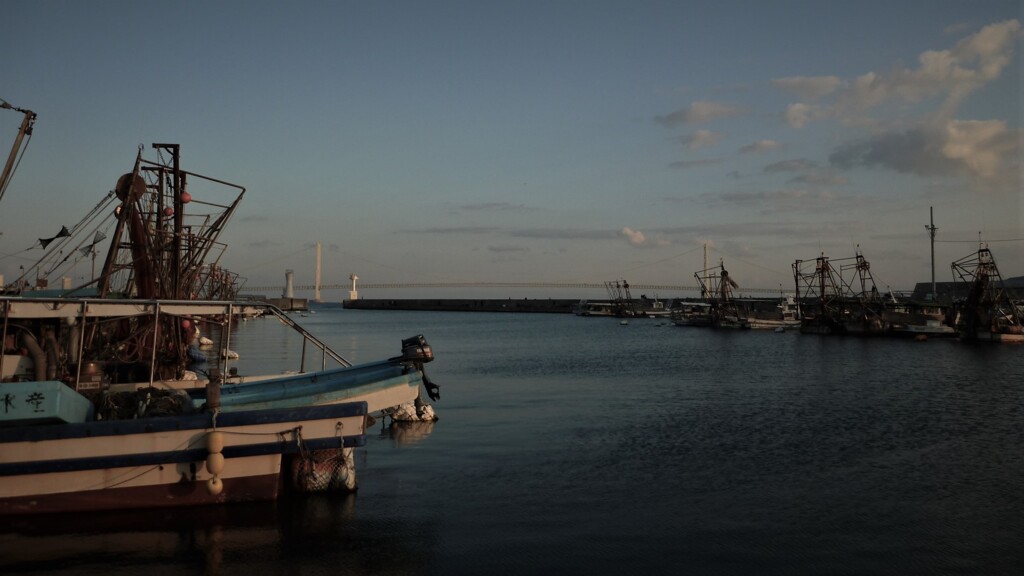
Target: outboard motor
x=417 y=352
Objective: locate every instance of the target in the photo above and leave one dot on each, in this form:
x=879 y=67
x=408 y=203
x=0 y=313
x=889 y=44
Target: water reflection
x=321 y=530
x=407 y=433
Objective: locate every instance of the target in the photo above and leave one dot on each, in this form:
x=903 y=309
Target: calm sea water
x=573 y=445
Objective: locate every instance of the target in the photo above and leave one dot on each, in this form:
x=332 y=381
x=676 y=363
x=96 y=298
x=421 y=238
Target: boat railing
x=83 y=312
x=307 y=337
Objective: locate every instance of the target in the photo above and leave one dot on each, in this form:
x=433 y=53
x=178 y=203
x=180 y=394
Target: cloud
x=808 y=87
x=973 y=62
x=808 y=173
x=759 y=228
x=785 y=200
x=507 y=248
x=457 y=230
x=639 y=239
x=564 y=234
x=787 y=195
x=494 y=207
x=635 y=237
x=760 y=146
x=701 y=139
x=798 y=115
x=699 y=113
x=983 y=147
x=821 y=178
x=951 y=74
x=958 y=28
x=794 y=165
x=693 y=163
x=987 y=151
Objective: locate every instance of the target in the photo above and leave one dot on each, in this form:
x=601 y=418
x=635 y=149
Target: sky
x=534 y=141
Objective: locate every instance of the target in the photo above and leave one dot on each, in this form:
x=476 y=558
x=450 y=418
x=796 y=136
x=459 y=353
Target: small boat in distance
x=785 y=315
x=695 y=314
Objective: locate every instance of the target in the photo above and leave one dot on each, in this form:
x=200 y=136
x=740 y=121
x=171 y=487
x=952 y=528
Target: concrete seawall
x=547 y=306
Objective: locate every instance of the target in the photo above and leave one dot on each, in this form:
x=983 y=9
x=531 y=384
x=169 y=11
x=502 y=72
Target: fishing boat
x=128 y=421
x=655 y=308
x=844 y=299
x=56 y=456
x=124 y=351
x=716 y=288
x=921 y=320
x=784 y=315
x=591 y=308
x=990 y=311
x=694 y=314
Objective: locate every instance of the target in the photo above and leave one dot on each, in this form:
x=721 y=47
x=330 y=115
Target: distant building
x=948 y=292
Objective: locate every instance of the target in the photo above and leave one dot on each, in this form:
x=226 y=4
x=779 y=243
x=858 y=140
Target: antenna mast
x=931 y=232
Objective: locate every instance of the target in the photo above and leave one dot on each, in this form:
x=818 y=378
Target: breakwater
x=536 y=305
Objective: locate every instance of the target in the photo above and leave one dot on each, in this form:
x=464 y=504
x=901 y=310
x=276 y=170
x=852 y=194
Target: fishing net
x=324 y=470
x=142 y=403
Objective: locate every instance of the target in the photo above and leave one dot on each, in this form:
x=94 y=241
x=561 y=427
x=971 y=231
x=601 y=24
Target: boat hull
x=257 y=479
x=159 y=462
x=381 y=385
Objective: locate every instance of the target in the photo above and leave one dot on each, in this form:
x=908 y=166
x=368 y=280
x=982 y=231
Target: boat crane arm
x=24 y=130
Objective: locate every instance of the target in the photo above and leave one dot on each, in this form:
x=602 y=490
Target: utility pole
x=931 y=232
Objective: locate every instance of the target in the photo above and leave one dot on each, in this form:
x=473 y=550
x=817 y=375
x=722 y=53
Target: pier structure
x=288 y=301
x=289 y=285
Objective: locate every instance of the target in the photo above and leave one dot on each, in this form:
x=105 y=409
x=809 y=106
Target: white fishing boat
x=786 y=315
x=55 y=456
x=92 y=450
x=692 y=314
x=594 y=308
x=107 y=401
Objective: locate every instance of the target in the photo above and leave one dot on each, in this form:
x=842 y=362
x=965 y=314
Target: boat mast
x=703 y=295
x=931 y=232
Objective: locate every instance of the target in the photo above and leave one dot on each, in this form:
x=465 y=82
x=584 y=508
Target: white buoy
x=215 y=442
x=215 y=463
x=215 y=486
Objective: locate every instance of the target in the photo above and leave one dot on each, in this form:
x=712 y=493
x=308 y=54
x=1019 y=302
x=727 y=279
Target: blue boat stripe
x=182 y=422
x=197 y=455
